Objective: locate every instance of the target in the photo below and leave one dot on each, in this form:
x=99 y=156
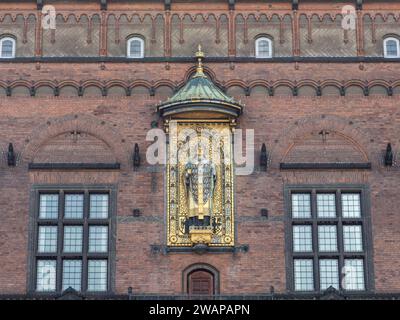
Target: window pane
x=391 y=48
x=98 y=238
x=353 y=274
x=326 y=206
x=136 y=48
x=352 y=239
x=73 y=206
x=329 y=273
x=7 y=49
x=46 y=275
x=303 y=275
x=47 y=239
x=72 y=274
x=98 y=206
x=97 y=275
x=264 y=49
x=351 y=207
x=73 y=239
x=302 y=239
x=48 y=206
x=301 y=205
x=327 y=238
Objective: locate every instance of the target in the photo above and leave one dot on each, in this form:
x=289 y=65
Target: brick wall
x=31 y=124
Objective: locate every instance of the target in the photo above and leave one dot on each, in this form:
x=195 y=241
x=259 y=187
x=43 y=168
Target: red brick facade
x=363 y=122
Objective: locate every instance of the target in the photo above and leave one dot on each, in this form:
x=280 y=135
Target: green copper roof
x=200 y=87
x=200 y=94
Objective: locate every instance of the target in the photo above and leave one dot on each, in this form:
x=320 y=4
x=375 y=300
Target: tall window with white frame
x=73 y=240
x=263 y=47
x=391 y=47
x=328 y=243
x=135 y=48
x=7 y=48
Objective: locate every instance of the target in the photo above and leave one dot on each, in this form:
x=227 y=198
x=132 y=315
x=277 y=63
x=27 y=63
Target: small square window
x=352 y=238
x=303 y=275
x=72 y=274
x=302 y=239
x=353 y=274
x=98 y=206
x=73 y=238
x=73 y=206
x=97 y=275
x=327 y=238
x=329 y=273
x=46 y=275
x=351 y=205
x=48 y=206
x=98 y=238
x=301 y=205
x=47 y=239
x=326 y=205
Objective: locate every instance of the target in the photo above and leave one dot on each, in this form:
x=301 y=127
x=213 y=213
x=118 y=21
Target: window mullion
x=340 y=234
x=365 y=243
x=60 y=240
x=35 y=239
x=85 y=247
x=315 y=239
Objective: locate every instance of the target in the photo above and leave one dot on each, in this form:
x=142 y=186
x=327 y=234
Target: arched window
x=7 y=48
x=391 y=47
x=135 y=47
x=263 y=47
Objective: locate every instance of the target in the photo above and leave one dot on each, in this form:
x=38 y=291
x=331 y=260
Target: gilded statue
x=200 y=180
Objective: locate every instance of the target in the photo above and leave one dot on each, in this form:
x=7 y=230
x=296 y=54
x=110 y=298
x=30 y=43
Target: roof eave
x=203 y=105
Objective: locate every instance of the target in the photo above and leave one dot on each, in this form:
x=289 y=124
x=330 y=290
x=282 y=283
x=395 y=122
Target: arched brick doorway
x=200 y=279
x=201 y=282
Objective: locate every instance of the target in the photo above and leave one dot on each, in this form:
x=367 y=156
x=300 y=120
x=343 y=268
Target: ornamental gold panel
x=200 y=183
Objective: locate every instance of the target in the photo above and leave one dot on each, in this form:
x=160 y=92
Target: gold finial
x=199 y=69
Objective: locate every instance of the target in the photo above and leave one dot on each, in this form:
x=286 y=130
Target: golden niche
x=200 y=183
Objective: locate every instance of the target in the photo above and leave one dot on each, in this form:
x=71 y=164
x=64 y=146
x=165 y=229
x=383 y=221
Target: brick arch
x=302 y=127
x=84 y=123
x=200 y=267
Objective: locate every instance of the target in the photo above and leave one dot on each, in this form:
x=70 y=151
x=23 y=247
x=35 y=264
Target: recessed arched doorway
x=201 y=280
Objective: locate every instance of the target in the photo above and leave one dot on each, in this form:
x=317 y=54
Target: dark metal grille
x=73 y=238
x=329 y=273
x=73 y=206
x=72 y=274
x=97 y=275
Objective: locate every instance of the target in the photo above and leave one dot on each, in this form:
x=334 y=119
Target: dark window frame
x=61 y=222
x=315 y=255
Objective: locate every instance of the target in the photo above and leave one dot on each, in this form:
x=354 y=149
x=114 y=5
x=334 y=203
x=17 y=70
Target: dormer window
x=263 y=47
x=391 y=47
x=7 y=48
x=135 y=47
